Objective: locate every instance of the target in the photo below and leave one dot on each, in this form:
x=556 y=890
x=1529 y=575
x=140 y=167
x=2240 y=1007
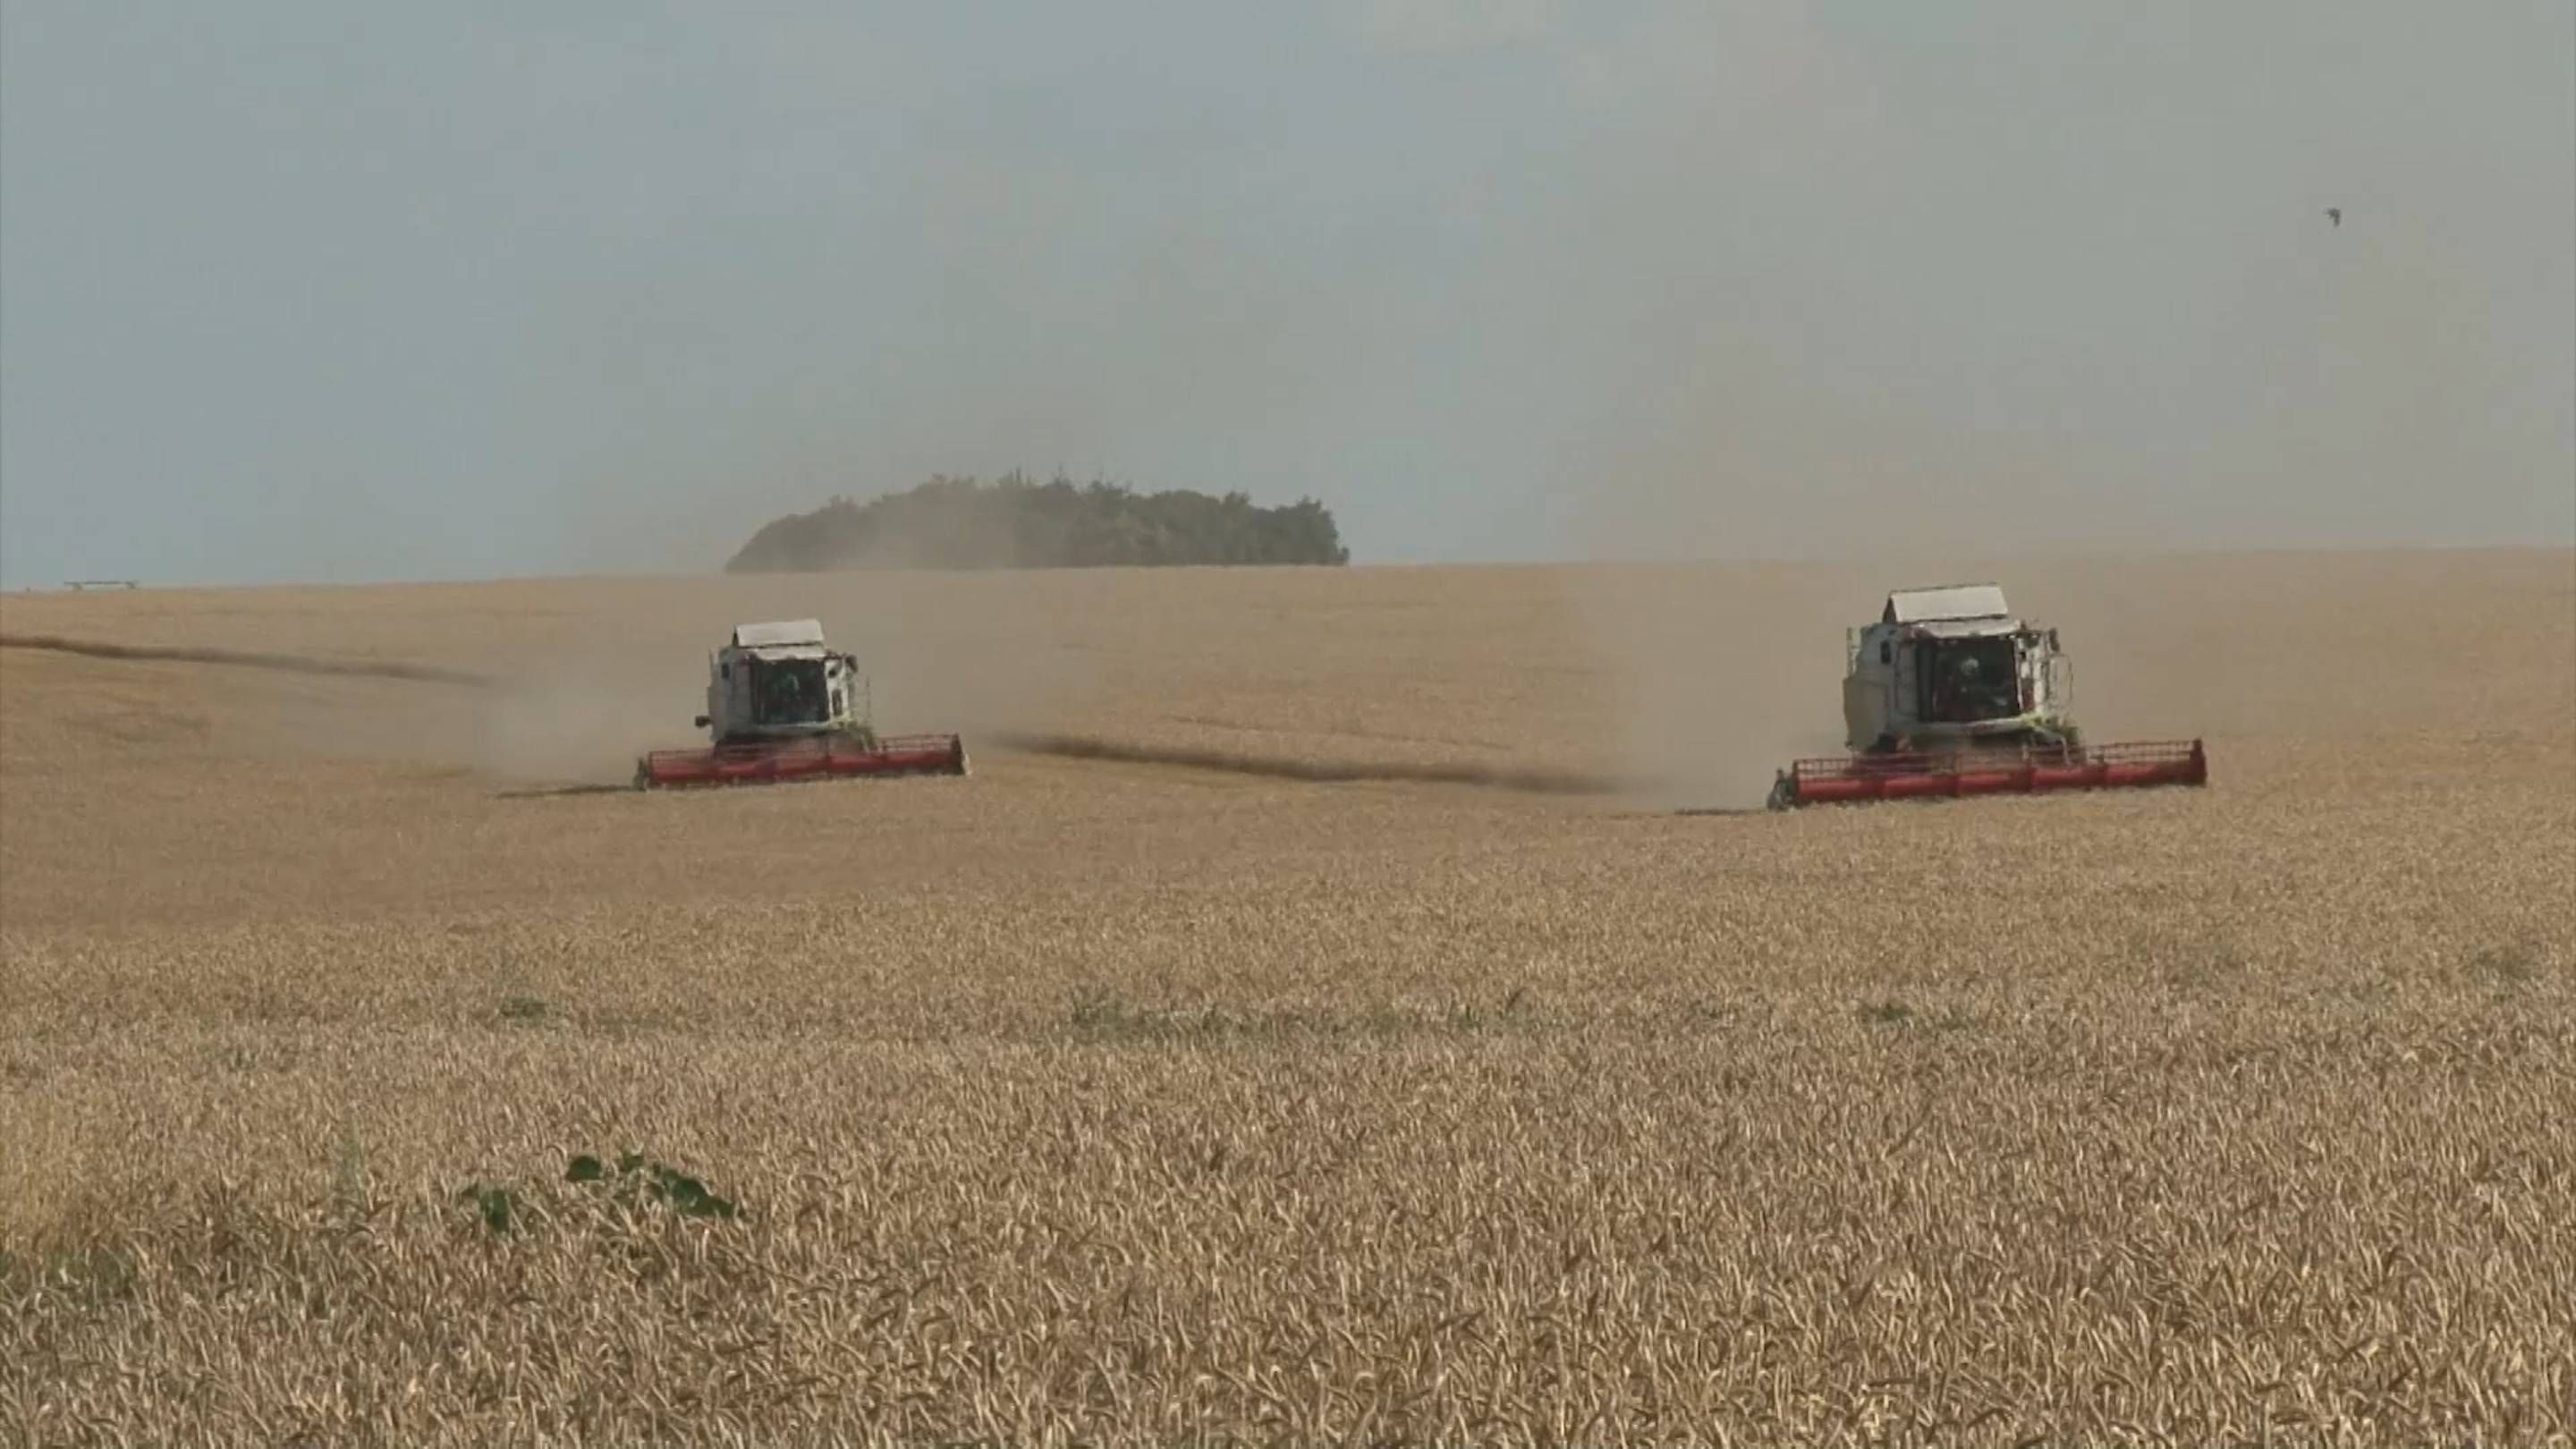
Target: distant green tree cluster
x=959 y=523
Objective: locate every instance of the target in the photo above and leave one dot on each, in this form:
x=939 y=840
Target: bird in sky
x=2335 y=214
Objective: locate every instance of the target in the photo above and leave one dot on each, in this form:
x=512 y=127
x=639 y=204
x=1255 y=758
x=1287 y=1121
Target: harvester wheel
x=1781 y=797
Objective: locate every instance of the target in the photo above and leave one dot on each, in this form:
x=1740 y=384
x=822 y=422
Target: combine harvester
x=781 y=707
x=1950 y=694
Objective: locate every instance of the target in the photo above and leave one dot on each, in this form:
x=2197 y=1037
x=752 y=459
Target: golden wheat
x=1107 y=1100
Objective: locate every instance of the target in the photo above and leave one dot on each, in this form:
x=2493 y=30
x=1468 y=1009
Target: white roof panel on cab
x=782 y=632
x=1956 y=601
x=1966 y=628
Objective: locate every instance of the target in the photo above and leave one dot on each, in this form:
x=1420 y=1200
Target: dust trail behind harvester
x=560 y=721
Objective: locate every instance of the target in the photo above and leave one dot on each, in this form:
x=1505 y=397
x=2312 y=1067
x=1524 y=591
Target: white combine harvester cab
x=782 y=706
x=1952 y=667
x=778 y=681
x=1950 y=693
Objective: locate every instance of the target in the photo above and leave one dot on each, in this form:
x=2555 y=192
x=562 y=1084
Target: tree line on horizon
x=962 y=523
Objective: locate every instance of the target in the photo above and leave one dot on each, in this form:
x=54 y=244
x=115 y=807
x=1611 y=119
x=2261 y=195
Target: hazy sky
x=299 y=289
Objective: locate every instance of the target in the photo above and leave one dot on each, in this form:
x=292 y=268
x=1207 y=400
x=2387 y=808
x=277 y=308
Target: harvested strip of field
x=1280 y=767
x=246 y=659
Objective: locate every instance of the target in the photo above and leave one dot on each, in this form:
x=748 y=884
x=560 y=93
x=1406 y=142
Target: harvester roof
x=779 y=632
x=1950 y=602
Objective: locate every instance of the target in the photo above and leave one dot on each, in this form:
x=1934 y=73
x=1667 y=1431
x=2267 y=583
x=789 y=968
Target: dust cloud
x=1949 y=328
x=1718 y=676
x=574 y=725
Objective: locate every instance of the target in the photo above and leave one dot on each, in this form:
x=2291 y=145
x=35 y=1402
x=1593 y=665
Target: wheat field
x=370 y=1077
